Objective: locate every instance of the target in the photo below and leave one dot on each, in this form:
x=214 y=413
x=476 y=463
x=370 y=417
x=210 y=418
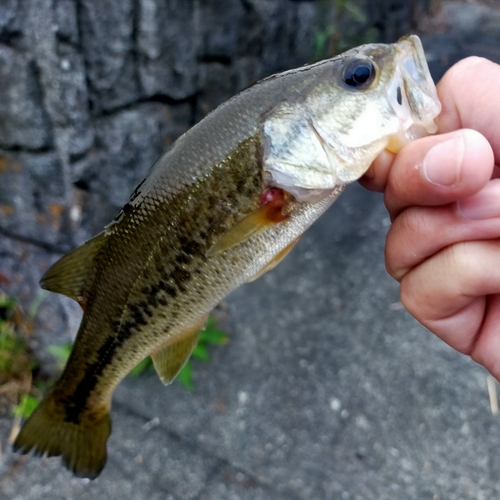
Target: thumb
x=439 y=170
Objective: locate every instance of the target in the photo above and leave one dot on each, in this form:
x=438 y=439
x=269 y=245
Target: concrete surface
x=327 y=389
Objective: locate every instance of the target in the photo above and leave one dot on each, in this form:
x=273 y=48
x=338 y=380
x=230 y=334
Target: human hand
x=444 y=202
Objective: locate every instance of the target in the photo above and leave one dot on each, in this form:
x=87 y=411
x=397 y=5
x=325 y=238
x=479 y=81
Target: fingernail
x=443 y=162
x=482 y=205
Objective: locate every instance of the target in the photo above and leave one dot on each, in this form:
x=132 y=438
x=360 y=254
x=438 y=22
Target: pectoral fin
x=171 y=357
x=259 y=220
x=277 y=259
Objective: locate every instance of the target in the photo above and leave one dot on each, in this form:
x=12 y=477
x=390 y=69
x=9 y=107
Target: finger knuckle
x=456 y=256
x=462 y=69
x=409 y=296
x=402 y=241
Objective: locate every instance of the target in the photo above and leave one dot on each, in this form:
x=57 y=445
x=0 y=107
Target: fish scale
x=170 y=279
x=223 y=205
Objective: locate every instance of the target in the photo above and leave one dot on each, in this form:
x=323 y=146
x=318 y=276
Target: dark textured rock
x=23 y=120
x=249 y=43
x=132 y=141
x=248 y=70
x=166 y=46
x=215 y=83
x=455 y=30
x=107 y=29
x=222 y=26
x=63 y=77
x=277 y=20
x=67 y=21
x=74 y=100
x=8 y=20
x=127 y=145
x=12 y=24
x=393 y=18
x=306 y=26
x=32 y=196
x=442 y=51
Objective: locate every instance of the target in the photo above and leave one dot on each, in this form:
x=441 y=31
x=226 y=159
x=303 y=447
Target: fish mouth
x=412 y=94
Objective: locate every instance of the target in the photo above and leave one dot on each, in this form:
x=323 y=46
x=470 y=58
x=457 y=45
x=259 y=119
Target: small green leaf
x=213 y=337
x=145 y=364
x=357 y=14
x=211 y=334
x=200 y=352
x=341 y=5
x=41 y=385
x=210 y=323
x=185 y=377
x=319 y=44
x=61 y=353
x=26 y=406
x=7 y=306
x=37 y=302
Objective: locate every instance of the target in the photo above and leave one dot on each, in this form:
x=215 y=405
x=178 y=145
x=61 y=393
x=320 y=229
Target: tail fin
x=82 y=445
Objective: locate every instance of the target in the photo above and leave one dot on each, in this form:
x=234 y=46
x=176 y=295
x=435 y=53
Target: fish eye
x=359 y=73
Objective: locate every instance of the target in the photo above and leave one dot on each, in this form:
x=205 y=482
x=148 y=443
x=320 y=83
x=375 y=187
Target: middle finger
x=420 y=232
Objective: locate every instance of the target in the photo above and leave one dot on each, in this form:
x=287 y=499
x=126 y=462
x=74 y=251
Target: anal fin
x=169 y=359
x=276 y=260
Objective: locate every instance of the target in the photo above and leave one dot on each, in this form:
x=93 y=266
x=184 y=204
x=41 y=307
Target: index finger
x=470 y=95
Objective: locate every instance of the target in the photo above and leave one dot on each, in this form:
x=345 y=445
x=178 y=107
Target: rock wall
x=92 y=91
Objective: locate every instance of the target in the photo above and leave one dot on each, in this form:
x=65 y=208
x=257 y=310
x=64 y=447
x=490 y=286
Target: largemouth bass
x=222 y=206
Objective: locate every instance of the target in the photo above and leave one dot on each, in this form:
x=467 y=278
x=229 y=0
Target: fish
x=225 y=204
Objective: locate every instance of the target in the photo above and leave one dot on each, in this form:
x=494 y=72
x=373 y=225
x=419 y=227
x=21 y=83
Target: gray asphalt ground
x=327 y=389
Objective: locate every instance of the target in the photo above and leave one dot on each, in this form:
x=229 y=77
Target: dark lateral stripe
x=230 y=191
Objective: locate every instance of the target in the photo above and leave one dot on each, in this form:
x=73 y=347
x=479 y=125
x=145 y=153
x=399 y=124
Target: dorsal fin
x=69 y=274
x=169 y=359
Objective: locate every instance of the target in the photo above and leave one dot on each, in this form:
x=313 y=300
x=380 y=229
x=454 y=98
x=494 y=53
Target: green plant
x=16 y=360
x=145 y=365
x=61 y=353
x=29 y=401
x=7 y=306
x=210 y=335
x=37 y=302
x=26 y=406
x=12 y=352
